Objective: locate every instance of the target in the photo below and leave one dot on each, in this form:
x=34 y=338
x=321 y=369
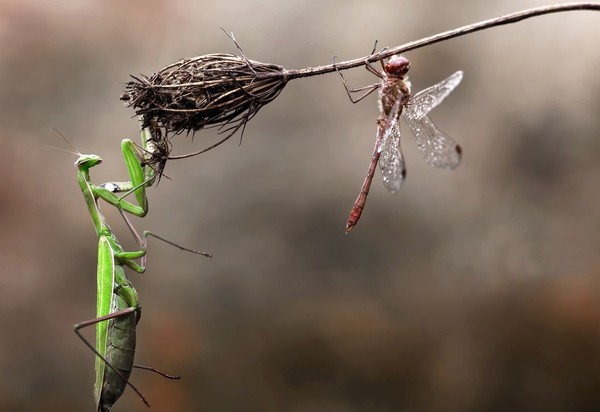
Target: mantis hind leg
x=161 y=373
x=123 y=312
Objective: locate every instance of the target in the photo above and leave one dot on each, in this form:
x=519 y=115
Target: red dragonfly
x=395 y=99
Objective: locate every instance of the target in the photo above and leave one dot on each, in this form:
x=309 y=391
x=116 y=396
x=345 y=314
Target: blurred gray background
x=476 y=289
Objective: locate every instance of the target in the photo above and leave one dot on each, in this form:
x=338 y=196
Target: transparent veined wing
x=438 y=149
x=423 y=102
x=391 y=161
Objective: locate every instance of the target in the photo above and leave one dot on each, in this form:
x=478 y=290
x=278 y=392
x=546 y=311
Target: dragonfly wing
x=391 y=161
x=438 y=149
x=424 y=101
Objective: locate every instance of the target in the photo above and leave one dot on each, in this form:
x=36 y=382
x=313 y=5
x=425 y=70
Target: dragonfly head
x=397 y=66
x=88 y=161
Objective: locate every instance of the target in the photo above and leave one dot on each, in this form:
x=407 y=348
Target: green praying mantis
x=118 y=305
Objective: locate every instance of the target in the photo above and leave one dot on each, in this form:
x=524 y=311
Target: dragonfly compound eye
x=397 y=66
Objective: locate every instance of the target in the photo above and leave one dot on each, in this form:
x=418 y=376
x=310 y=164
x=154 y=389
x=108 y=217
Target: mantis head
x=88 y=161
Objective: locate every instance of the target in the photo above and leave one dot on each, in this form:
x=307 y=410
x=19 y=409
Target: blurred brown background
x=477 y=289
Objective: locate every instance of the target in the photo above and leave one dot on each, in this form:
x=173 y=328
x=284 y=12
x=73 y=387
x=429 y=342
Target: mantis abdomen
x=120 y=351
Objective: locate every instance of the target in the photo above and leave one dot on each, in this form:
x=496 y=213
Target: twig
x=226 y=91
x=447 y=35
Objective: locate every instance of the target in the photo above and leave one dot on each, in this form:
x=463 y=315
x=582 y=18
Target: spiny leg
x=81 y=325
x=143 y=243
x=370 y=88
x=161 y=373
x=136 y=185
x=371 y=69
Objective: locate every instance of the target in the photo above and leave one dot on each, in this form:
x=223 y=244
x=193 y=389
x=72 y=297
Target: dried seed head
x=213 y=90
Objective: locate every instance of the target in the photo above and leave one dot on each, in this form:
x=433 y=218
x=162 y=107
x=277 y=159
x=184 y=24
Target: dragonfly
x=118 y=305
x=395 y=101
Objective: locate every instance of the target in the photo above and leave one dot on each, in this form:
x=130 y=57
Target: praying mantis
x=118 y=304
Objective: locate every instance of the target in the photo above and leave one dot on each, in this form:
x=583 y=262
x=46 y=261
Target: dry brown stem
x=226 y=91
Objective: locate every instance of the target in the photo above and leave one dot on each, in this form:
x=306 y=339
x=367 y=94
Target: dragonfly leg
x=371 y=69
x=368 y=64
x=369 y=89
x=386 y=48
x=374 y=47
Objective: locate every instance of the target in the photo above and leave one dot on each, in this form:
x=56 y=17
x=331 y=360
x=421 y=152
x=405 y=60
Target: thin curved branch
x=447 y=35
